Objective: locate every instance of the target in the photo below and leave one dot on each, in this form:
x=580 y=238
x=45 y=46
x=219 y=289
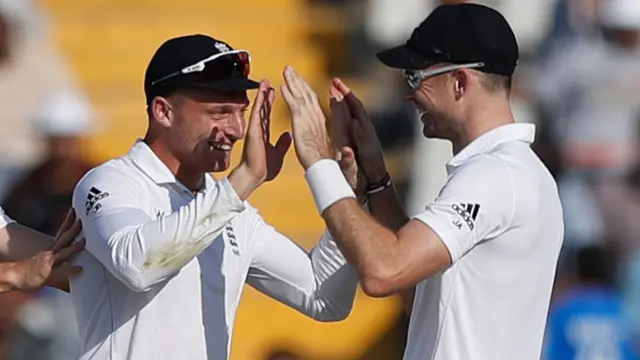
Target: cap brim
x=227 y=85
x=401 y=57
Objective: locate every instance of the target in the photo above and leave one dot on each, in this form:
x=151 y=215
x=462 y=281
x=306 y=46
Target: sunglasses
x=216 y=67
x=414 y=78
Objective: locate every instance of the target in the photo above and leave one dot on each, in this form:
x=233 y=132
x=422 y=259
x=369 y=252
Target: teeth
x=223 y=147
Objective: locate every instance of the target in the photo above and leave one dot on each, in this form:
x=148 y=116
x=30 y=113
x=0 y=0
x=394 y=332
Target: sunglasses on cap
x=216 y=67
x=414 y=78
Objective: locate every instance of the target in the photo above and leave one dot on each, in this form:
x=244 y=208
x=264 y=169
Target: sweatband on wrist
x=327 y=183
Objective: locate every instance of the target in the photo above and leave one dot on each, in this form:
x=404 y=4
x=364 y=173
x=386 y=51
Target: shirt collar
x=149 y=163
x=492 y=139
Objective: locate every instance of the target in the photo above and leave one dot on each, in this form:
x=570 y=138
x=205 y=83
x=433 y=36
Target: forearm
x=143 y=255
x=335 y=282
x=320 y=284
x=387 y=208
x=19 y=242
x=365 y=243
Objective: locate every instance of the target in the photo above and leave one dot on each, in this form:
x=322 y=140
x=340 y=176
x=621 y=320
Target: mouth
x=220 y=146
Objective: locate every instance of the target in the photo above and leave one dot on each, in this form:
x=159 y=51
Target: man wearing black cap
x=479 y=261
x=168 y=247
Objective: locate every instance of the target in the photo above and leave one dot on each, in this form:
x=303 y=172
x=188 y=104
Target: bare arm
x=385 y=206
x=387 y=263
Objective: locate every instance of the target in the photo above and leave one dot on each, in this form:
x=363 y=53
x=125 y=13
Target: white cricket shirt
x=4 y=219
x=500 y=217
x=164 y=267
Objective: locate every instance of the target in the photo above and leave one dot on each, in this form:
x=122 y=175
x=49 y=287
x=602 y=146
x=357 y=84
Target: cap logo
x=222 y=47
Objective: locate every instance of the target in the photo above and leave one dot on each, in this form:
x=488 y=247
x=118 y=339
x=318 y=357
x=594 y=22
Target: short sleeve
x=475 y=204
x=4 y=219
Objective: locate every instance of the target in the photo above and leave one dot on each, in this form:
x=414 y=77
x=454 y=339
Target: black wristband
x=379 y=186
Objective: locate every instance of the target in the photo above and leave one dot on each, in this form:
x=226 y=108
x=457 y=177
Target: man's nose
x=235 y=126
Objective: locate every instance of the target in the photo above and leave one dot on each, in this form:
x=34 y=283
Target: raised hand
x=310 y=137
x=363 y=135
x=263 y=159
x=340 y=138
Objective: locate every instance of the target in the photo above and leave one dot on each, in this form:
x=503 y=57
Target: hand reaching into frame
x=51 y=267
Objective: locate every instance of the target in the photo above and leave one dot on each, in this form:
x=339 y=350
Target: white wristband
x=328 y=184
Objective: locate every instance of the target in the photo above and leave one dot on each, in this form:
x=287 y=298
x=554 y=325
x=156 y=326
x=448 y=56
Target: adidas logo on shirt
x=468 y=212
x=93 y=200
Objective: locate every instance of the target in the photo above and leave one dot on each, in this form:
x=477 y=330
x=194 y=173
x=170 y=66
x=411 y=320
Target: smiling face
x=201 y=127
x=436 y=101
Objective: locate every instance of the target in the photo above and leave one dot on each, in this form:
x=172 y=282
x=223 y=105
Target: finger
x=358 y=135
x=266 y=114
x=341 y=87
x=335 y=93
x=68 y=222
x=348 y=155
x=258 y=107
x=68 y=252
x=347 y=158
x=64 y=239
x=59 y=277
x=353 y=102
x=292 y=81
x=340 y=119
x=292 y=102
x=63 y=271
x=283 y=144
x=307 y=91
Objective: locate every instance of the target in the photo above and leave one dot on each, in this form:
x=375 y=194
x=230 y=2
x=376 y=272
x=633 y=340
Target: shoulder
x=115 y=177
x=482 y=173
x=112 y=174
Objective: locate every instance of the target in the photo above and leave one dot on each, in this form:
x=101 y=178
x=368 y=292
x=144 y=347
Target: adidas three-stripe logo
x=93 y=200
x=468 y=212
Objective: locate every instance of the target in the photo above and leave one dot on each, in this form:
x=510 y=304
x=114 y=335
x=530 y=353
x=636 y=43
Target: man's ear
x=161 y=111
x=460 y=83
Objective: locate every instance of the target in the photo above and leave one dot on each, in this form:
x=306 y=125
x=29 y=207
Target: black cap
x=458 y=34
x=180 y=52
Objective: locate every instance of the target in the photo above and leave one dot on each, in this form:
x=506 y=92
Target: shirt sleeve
x=136 y=249
x=476 y=204
x=319 y=284
x=4 y=219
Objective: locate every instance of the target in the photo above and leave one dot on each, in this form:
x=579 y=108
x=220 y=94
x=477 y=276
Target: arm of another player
x=319 y=284
x=36 y=259
x=388 y=262
x=141 y=252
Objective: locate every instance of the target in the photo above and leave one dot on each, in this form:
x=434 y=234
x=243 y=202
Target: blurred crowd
x=578 y=80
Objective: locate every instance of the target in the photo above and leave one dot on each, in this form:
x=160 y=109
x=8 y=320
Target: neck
x=484 y=117
x=192 y=179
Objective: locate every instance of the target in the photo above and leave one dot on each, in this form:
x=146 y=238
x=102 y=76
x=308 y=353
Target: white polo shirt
x=4 y=219
x=500 y=217
x=164 y=267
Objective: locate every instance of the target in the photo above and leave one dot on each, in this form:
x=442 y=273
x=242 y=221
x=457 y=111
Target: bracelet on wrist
x=379 y=186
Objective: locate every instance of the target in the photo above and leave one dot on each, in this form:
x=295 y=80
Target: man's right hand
x=363 y=135
x=261 y=161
